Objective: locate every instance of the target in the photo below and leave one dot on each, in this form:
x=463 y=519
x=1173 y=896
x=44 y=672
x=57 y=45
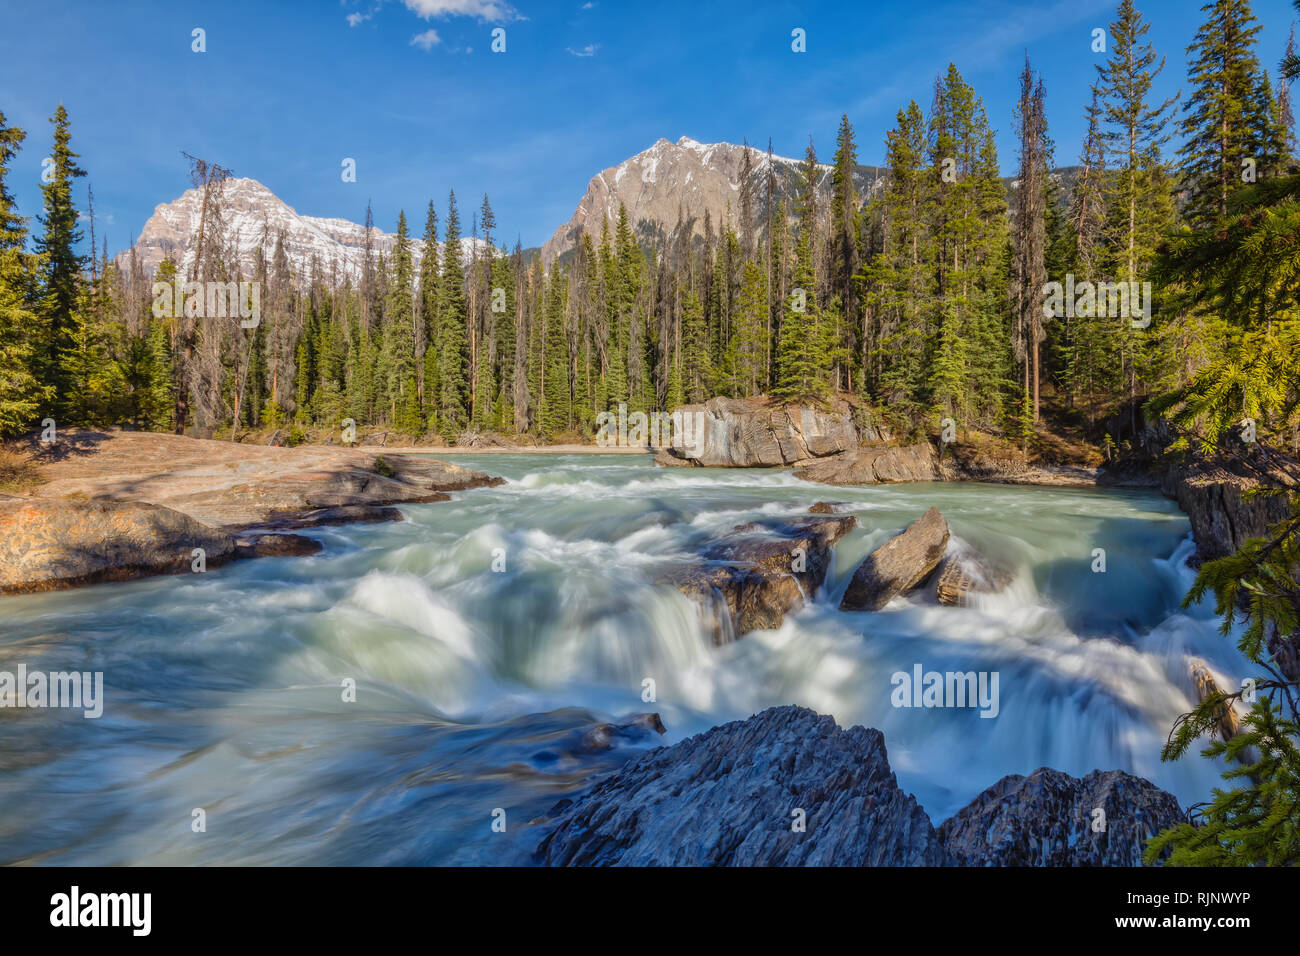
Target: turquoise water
x=224 y=691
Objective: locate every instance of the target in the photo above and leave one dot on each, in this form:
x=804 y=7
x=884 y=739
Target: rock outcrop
x=46 y=545
x=788 y=787
x=50 y=545
x=750 y=579
x=784 y=788
x=879 y=465
x=1212 y=493
x=1051 y=819
x=236 y=486
x=898 y=565
x=757 y=432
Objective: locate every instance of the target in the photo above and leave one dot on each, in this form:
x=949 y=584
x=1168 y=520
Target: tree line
x=923 y=298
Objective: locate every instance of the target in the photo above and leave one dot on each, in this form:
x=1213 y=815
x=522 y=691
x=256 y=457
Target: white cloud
x=588 y=50
x=484 y=10
x=589 y=5
x=426 y=40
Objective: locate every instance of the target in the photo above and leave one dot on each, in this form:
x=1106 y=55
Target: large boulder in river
x=57 y=544
x=898 y=565
x=1051 y=819
x=871 y=466
x=735 y=796
x=750 y=432
x=750 y=579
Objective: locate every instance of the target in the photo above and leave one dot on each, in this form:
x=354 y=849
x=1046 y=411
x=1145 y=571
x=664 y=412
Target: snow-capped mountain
x=682 y=181
x=253 y=215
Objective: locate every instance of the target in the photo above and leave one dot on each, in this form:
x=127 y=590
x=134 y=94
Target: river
x=486 y=633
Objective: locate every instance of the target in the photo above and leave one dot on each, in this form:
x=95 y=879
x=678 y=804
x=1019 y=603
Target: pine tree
x=21 y=395
x=1029 y=267
x=803 y=357
x=1229 y=120
x=60 y=262
x=746 y=352
x=1134 y=132
x=897 y=277
x=453 y=357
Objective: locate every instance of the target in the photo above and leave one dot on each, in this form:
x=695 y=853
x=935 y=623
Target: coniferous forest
x=925 y=299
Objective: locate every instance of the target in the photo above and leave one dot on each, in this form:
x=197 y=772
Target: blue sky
x=287 y=90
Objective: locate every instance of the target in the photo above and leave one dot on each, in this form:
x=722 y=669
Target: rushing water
x=223 y=690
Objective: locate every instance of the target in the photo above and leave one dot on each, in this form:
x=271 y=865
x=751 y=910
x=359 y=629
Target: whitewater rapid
x=482 y=633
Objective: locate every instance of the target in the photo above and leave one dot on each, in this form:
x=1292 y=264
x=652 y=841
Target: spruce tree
x=453 y=357
x=1229 y=125
x=22 y=396
x=1134 y=131
x=61 y=264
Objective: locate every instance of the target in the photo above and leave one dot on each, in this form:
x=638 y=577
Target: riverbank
x=111 y=506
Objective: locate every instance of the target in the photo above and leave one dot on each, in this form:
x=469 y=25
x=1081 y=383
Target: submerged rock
x=960 y=576
x=786 y=787
x=1051 y=819
x=750 y=579
x=898 y=565
x=635 y=728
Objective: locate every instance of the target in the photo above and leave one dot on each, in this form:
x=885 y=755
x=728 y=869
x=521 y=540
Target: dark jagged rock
x=277 y=546
x=1212 y=493
x=898 y=565
x=1048 y=819
x=821 y=508
x=960 y=576
x=870 y=466
x=750 y=579
x=344 y=514
x=731 y=796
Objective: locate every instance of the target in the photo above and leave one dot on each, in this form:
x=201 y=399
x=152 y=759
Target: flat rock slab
x=751 y=578
x=231 y=485
x=1049 y=819
x=898 y=565
x=731 y=797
